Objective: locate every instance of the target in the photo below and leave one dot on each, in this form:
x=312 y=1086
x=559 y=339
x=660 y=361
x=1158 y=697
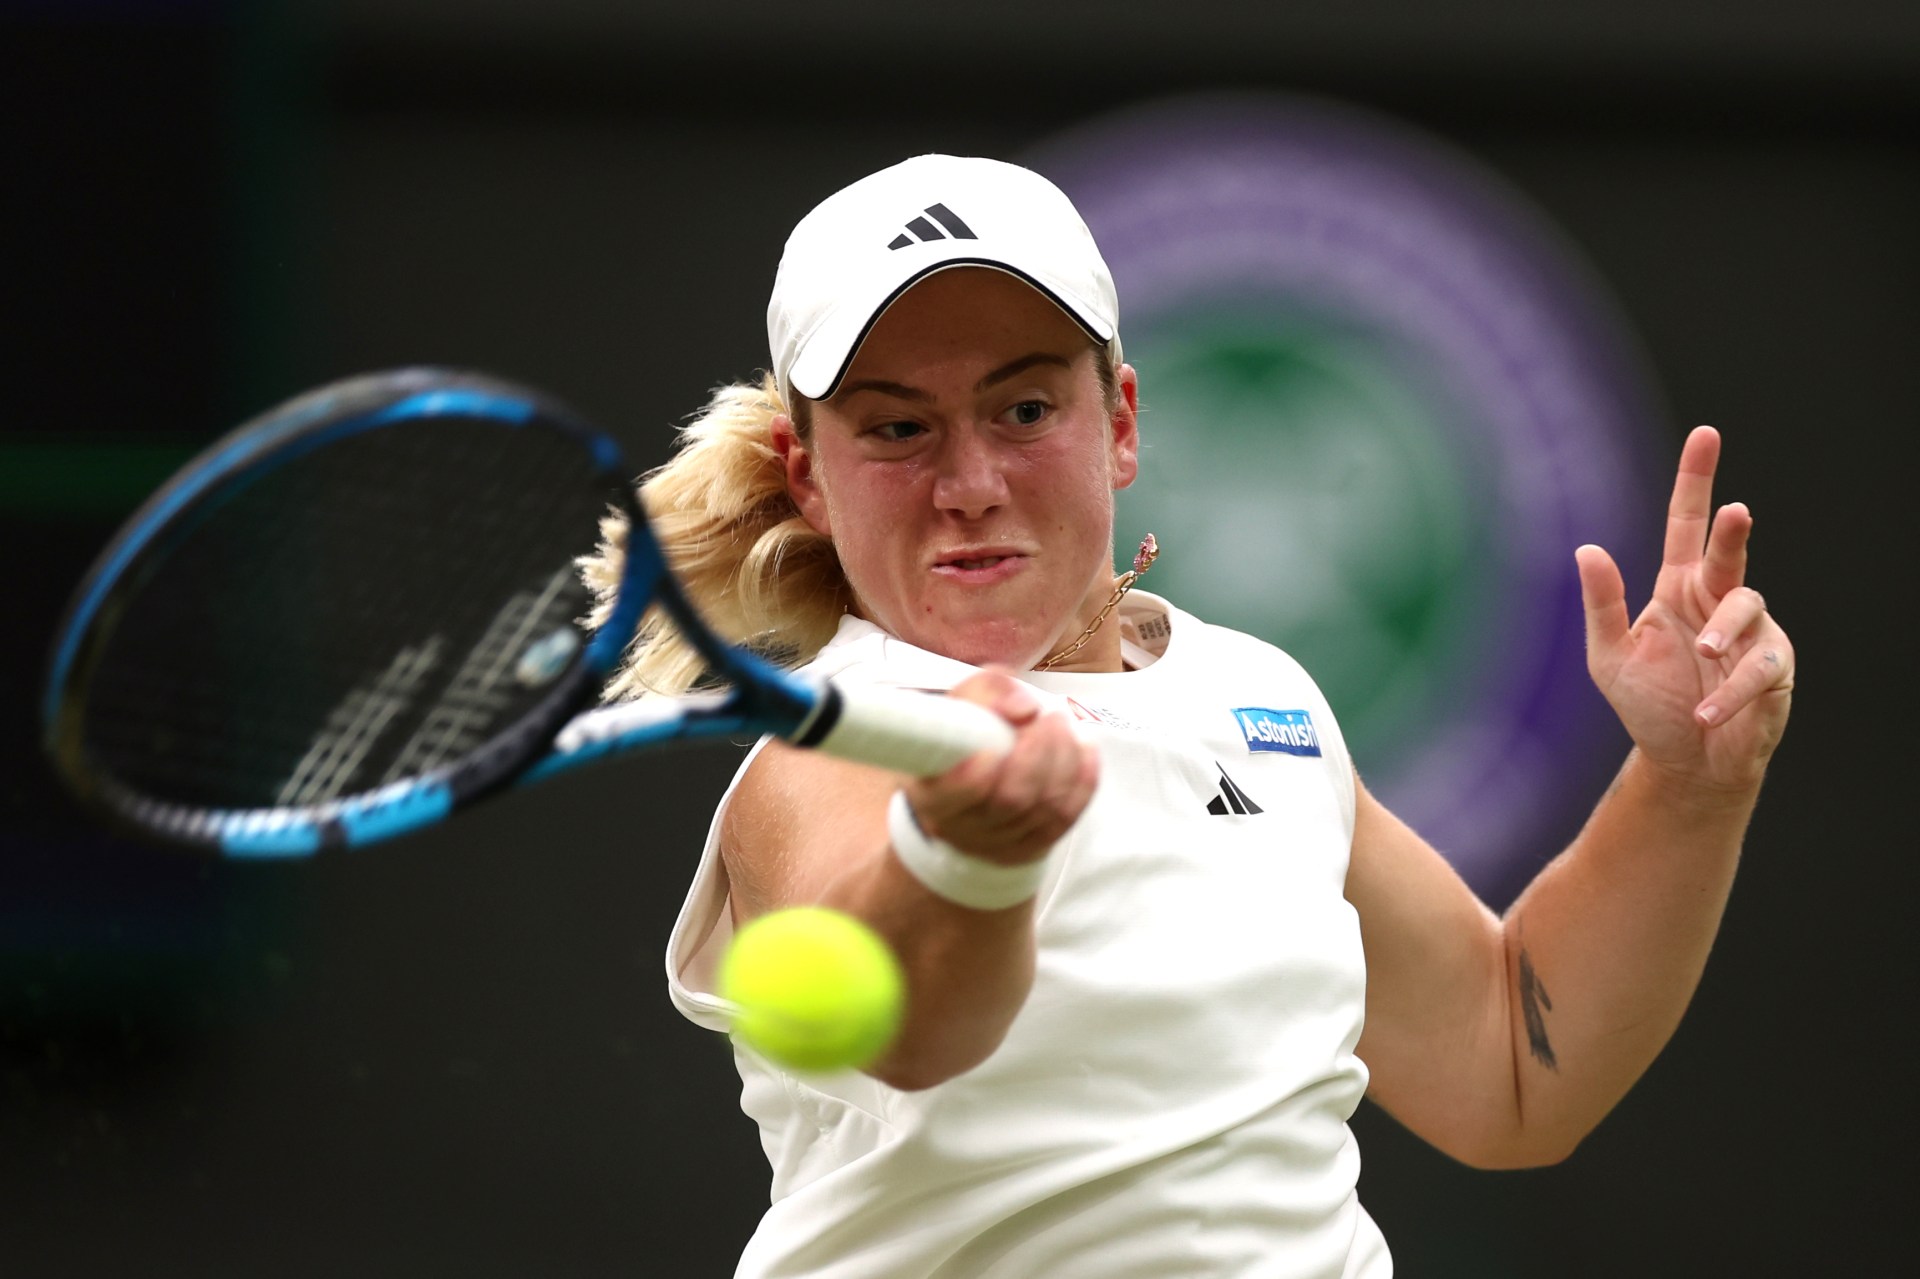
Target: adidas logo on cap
x=924 y=230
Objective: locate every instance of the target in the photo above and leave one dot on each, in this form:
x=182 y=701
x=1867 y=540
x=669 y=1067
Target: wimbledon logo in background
x=1383 y=401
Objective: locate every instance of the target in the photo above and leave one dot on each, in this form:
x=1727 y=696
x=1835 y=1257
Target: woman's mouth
x=984 y=568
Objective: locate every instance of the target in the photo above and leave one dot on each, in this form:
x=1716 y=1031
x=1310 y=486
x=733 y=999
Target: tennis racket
x=359 y=613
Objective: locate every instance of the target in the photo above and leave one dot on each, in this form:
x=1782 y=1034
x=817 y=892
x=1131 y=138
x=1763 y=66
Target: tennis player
x=1158 y=952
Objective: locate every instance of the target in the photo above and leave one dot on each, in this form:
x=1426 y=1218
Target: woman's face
x=965 y=471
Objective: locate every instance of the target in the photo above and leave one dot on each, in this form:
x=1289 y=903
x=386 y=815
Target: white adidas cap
x=868 y=243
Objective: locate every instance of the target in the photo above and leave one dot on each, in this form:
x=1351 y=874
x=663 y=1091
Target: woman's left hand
x=1703 y=679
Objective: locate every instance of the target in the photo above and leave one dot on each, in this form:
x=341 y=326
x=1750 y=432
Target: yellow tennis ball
x=816 y=989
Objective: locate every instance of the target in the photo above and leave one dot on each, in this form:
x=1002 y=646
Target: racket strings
x=483 y=687
x=352 y=727
x=380 y=608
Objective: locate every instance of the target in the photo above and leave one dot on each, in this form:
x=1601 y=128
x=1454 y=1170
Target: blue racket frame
x=761 y=697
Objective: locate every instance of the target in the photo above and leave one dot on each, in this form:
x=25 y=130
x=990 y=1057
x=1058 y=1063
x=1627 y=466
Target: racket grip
x=919 y=733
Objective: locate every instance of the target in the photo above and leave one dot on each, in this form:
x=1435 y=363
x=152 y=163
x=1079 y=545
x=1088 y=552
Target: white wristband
x=959 y=877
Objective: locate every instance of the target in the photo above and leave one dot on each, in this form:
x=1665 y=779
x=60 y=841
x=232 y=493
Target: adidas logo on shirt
x=924 y=230
x=1231 y=799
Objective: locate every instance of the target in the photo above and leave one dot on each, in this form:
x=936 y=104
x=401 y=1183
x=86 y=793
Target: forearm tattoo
x=1535 y=1003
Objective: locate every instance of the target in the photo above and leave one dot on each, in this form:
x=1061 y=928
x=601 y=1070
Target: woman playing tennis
x=1158 y=951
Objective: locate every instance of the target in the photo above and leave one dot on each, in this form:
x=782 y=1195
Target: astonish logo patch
x=1269 y=730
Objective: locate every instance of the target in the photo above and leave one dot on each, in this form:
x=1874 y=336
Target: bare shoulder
x=794 y=822
x=1385 y=851
x=1401 y=886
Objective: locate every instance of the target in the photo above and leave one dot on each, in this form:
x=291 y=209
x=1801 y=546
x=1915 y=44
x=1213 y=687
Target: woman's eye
x=1029 y=412
x=897 y=432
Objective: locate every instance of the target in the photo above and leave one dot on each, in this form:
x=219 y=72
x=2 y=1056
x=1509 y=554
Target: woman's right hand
x=1010 y=808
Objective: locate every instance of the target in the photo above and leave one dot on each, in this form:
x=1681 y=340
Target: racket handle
x=916 y=733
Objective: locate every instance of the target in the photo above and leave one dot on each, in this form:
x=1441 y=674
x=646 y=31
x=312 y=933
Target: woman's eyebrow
x=1014 y=368
x=900 y=390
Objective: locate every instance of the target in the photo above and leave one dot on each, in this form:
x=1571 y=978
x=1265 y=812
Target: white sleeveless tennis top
x=1172 y=1099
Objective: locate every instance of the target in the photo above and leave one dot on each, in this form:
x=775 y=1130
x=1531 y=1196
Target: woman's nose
x=971 y=481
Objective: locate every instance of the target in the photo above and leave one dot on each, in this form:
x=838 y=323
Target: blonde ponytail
x=755 y=570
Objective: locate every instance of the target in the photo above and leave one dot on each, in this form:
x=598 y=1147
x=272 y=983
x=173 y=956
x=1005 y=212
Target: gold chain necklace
x=1142 y=561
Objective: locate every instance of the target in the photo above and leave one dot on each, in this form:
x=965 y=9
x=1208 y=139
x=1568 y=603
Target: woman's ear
x=803 y=486
x=1124 y=444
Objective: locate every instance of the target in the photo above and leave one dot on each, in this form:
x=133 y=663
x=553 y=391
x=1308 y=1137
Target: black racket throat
x=821 y=720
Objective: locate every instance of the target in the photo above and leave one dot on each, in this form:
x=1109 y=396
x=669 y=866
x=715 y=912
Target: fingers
x=1738 y=610
x=1767 y=667
x=1725 y=567
x=1687 y=512
x=998 y=691
x=1013 y=807
x=1604 y=594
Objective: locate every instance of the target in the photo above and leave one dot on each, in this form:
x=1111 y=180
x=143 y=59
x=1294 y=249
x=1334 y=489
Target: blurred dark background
x=455 y=1055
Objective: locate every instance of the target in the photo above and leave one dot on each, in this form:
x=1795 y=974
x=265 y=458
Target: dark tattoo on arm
x=1533 y=1000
